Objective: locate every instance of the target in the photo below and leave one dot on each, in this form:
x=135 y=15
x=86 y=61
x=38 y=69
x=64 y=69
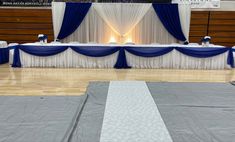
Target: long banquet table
x=122 y=56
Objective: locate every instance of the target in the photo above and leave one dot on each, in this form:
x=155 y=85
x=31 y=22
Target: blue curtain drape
x=121 y=60
x=230 y=60
x=169 y=16
x=73 y=17
x=4 y=55
x=98 y=51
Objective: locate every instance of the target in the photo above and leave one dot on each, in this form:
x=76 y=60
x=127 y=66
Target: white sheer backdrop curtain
x=92 y=29
x=122 y=17
x=58 y=9
x=185 y=17
x=142 y=26
x=150 y=30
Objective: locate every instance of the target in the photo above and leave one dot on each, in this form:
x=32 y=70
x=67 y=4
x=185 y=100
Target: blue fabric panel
x=95 y=51
x=16 y=57
x=230 y=59
x=169 y=16
x=73 y=17
x=121 y=60
x=4 y=55
x=149 y=51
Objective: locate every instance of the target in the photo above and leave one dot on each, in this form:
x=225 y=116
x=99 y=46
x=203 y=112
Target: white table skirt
x=68 y=59
x=172 y=60
x=177 y=60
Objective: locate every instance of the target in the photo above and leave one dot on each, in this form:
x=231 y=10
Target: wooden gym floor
x=73 y=81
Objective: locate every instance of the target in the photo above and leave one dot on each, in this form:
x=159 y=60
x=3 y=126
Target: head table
x=173 y=56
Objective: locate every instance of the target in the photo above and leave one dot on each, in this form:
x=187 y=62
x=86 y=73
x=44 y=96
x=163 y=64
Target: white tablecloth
x=3 y=44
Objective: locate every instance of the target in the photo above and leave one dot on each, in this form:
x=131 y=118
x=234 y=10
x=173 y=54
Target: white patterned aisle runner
x=131 y=115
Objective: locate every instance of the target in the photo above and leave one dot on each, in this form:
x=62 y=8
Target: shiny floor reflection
x=73 y=81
